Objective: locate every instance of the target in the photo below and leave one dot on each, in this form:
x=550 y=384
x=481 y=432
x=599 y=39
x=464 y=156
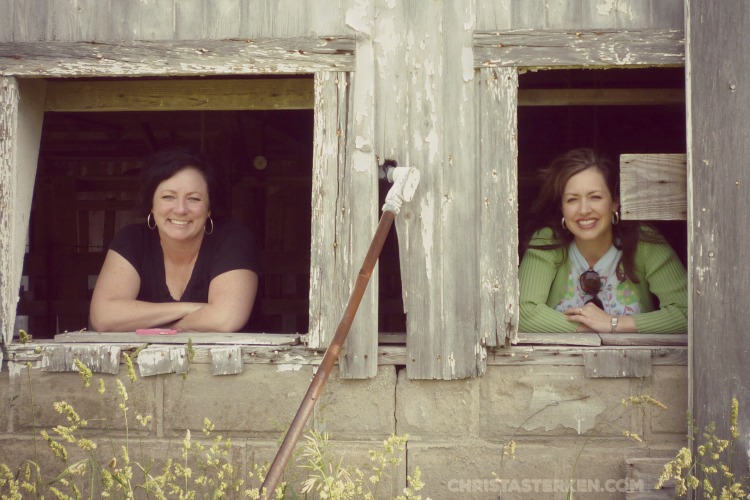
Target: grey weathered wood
x=161 y=360
x=221 y=19
x=442 y=300
x=582 y=339
x=226 y=360
x=494 y=14
x=21 y=114
x=177 y=58
x=617 y=363
x=498 y=237
x=182 y=338
x=529 y=14
x=642 y=475
x=359 y=192
x=344 y=196
x=574 y=355
x=718 y=72
x=653 y=187
x=331 y=95
x=98 y=358
x=602 y=47
x=640 y=339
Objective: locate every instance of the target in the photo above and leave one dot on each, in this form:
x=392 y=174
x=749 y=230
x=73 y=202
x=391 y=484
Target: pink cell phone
x=156 y=331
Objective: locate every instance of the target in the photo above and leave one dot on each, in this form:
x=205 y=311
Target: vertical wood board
x=718 y=97
x=498 y=242
x=442 y=274
x=460 y=191
x=424 y=66
x=344 y=211
x=22 y=112
x=359 y=356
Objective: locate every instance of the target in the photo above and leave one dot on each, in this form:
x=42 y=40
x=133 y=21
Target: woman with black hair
x=184 y=268
x=585 y=270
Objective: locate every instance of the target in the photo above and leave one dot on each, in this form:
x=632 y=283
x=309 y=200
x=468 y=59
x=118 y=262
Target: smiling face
x=587 y=207
x=181 y=205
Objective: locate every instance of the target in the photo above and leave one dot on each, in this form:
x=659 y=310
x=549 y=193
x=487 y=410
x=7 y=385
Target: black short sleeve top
x=230 y=246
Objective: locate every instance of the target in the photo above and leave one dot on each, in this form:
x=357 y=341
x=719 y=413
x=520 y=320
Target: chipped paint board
x=98 y=358
x=177 y=58
x=497 y=97
x=21 y=115
x=601 y=47
x=226 y=360
x=617 y=363
x=160 y=360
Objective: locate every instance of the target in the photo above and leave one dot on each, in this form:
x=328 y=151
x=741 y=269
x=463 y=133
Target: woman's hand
x=594 y=320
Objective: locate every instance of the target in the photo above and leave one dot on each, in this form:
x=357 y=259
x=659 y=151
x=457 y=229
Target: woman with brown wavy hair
x=585 y=270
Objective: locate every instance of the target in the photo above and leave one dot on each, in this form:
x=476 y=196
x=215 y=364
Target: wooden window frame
x=23 y=100
x=500 y=57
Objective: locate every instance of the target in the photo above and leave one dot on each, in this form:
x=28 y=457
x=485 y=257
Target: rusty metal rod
x=329 y=359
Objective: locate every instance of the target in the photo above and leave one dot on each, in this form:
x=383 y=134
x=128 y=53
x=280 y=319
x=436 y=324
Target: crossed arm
x=114 y=305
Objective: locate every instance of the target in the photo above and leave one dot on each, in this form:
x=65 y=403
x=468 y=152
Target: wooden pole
x=329 y=359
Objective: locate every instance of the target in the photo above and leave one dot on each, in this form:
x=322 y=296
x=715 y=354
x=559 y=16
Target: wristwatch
x=613 y=322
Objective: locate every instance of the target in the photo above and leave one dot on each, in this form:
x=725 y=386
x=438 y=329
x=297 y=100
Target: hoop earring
x=615 y=218
x=149 y=220
x=212 y=226
x=562 y=223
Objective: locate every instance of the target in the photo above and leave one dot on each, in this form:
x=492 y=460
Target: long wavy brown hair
x=546 y=210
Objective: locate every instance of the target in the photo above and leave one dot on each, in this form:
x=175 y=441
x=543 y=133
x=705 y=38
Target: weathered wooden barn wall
x=100 y=20
x=718 y=69
x=413 y=98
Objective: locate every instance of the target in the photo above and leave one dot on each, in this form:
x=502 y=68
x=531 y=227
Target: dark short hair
x=164 y=164
x=556 y=176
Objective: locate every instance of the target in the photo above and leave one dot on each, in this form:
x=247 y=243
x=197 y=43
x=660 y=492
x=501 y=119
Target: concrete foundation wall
x=565 y=426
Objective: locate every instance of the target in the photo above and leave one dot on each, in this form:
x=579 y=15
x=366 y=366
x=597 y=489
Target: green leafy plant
x=708 y=473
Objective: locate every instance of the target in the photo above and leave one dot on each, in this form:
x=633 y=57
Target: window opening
x=87 y=178
x=628 y=111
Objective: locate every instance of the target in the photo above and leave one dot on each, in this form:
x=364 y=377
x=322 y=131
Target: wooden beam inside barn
x=181 y=95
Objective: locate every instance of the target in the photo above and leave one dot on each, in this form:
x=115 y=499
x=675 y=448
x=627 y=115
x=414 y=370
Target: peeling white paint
x=288 y=367
x=358 y=18
x=428 y=229
x=433 y=141
x=467 y=62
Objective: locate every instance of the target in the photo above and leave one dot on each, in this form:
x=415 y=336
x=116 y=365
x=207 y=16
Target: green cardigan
x=543 y=277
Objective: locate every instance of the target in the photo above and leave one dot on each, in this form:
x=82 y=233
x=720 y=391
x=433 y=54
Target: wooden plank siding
x=426 y=88
x=21 y=114
x=108 y=20
x=440 y=272
x=718 y=89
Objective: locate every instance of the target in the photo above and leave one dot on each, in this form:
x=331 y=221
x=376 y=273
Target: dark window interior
x=544 y=132
x=87 y=178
